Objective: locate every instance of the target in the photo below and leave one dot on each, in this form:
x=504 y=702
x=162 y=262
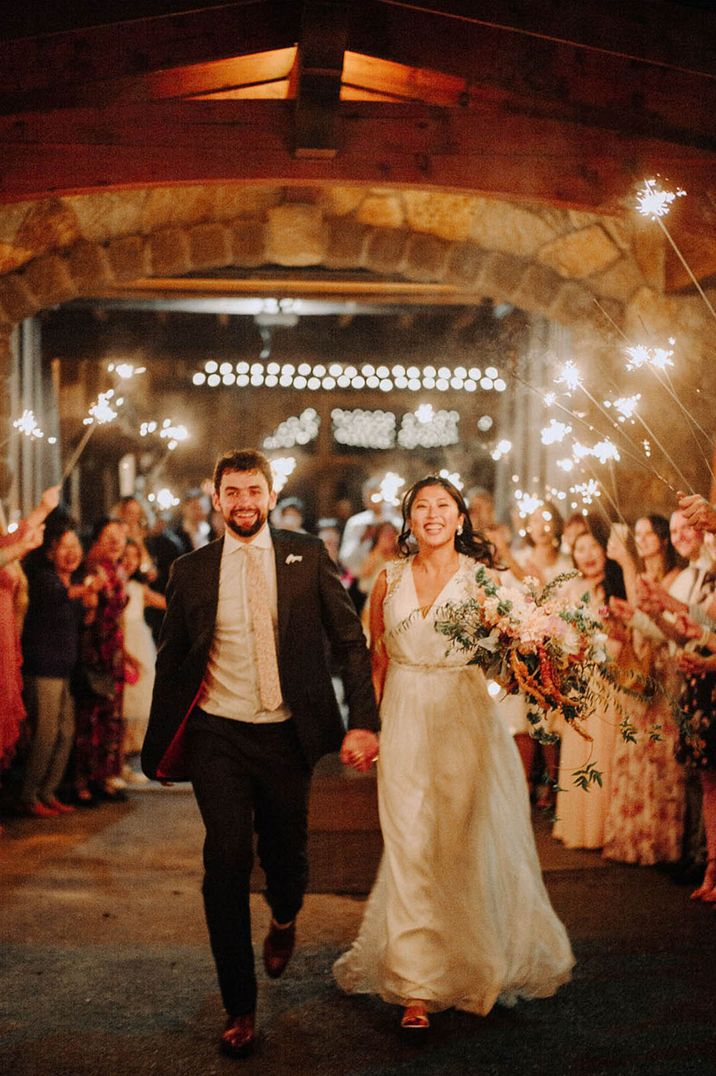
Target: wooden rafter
x=324 y=34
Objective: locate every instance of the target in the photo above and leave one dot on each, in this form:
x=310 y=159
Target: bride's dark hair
x=470 y=542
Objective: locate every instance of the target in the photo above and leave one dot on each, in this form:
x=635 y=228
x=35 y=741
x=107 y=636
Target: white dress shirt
x=231 y=686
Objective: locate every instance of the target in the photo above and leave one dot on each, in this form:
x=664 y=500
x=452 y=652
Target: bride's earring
x=459 y=529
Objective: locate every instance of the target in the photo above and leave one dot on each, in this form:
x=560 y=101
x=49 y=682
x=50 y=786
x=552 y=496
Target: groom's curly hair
x=242 y=459
x=471 y=542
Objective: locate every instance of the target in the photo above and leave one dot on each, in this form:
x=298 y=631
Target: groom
x=244 y=707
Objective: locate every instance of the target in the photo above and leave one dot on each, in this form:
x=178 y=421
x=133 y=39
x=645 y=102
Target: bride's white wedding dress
x=458 y=915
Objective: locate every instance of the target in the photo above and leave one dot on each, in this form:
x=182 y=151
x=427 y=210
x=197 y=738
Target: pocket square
x=293 y=558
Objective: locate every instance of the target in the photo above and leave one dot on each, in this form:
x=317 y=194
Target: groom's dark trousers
x=247 y=778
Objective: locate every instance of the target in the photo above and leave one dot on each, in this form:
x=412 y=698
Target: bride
x=458 y=915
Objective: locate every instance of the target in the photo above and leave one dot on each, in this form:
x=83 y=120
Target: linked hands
x=359 y=749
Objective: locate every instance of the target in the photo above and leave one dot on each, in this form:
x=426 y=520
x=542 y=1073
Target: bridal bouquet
x=536 y=642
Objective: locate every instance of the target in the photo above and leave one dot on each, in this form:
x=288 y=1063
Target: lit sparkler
x=570 y=377
x=125 y=371
x=100 y=413
x=388 y=489
x=588 y=490
x=654 y=201
x=501 y=449
x=453 y=477
x=657 y=357
x=281 y=468
x=555 y=433
x=164 y=499
x=625 y=405
x=605 y=451
x=527 y=503
x=27 y=425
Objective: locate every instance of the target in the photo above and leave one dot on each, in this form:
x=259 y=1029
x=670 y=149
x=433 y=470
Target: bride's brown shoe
x=415 y=1015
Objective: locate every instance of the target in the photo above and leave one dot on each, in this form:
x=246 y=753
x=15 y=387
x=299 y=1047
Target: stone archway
x=596 y=275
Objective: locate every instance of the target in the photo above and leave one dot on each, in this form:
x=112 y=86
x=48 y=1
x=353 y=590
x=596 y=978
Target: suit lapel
x=281 y=549
x=209 y=583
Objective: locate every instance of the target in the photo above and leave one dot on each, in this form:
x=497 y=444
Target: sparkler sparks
x=554 y=433
x=606 y=450
x=570 y=377
x=527 y=503
x=588 y=491
x=625 y=405
x=501 y=449
x=281 y=468
x=102 y=411
x=125 y=371
x=654 y=201
x=164 y=499
x=27 y=425
x=388 y=489
x=657 y=357
x=453 y=477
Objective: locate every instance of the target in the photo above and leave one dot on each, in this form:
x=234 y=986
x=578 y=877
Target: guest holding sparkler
x=100 y=727
x=690 y=592
x=697 y=745
x=59 y=602
x=543 y=560
x=581 y=818
x=645 y=817
x=13 y=604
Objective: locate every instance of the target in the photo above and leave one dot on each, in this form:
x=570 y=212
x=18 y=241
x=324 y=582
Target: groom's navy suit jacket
x=311 y=602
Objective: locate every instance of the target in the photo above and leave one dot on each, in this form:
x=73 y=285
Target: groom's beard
x=245 y=530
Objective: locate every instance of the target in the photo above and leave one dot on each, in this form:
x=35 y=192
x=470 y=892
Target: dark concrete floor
x=106 y=969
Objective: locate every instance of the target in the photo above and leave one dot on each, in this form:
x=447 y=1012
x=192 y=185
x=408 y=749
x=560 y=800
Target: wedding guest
x=98 y=755
x=481 y=509
x=289 y=514
x=359 y=531
x=697 y=745
x=645 y=816
x=458 y=916
x=58 y=600
x=384 y=547
x=164 y=547
x=193 y=529
x=574 y=525
x=542 y=560
x=139 y=643
x=13 y=604
x=581 y=815
x=691 y=592
x=133 y=516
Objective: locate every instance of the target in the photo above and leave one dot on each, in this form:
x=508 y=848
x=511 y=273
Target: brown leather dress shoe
x=239 y=1036
x=278 y=948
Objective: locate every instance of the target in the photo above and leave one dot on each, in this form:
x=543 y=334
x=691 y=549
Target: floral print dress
x=100 y=726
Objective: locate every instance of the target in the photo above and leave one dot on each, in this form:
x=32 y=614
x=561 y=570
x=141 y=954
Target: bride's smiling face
x=434 y=517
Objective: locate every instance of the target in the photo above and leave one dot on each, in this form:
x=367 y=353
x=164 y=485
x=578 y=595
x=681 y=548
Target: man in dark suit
x=244 y=706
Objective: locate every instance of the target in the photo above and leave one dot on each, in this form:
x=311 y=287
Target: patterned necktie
x=266 y=663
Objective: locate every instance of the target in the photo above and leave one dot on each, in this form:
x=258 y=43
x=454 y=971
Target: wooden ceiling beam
x=672 y=35
x=321 y=49
x=542 y=76
x=492 y=152
x=45 y=71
